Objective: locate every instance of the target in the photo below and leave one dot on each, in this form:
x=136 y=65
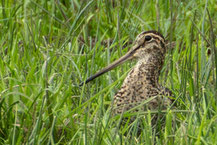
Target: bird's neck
x=146 y=71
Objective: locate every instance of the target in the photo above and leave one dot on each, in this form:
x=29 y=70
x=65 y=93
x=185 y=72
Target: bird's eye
x=148 y=38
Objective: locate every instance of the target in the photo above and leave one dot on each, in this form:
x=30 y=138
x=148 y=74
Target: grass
x=49 y=47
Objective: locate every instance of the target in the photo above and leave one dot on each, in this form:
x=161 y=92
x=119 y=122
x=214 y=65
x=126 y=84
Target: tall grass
x=48 y=47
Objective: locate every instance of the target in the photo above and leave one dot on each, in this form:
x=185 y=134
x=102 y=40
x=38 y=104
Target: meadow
x=47 y=48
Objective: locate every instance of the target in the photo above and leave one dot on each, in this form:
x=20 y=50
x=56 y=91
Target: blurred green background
x=48 y=47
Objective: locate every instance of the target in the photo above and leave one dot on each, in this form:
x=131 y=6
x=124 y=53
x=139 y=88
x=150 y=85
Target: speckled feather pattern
x=141 y=82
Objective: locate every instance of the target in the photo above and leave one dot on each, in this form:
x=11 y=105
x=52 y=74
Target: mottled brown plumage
x=142 y=81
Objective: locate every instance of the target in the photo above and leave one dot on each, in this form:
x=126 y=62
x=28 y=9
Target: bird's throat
x=146 y=72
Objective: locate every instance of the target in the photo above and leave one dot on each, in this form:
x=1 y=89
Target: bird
x=142 y=82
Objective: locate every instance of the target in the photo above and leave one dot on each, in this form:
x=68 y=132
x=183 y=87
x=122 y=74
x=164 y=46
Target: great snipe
x=141 y=82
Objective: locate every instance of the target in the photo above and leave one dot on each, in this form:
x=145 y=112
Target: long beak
x=121 y=60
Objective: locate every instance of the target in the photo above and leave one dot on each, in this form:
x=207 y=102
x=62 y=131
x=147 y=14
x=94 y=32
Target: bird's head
x=146 y=44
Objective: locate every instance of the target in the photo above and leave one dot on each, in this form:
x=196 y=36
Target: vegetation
x=48 y=47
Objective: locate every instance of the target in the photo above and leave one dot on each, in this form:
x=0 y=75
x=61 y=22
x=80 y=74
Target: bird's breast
x=140 y=84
